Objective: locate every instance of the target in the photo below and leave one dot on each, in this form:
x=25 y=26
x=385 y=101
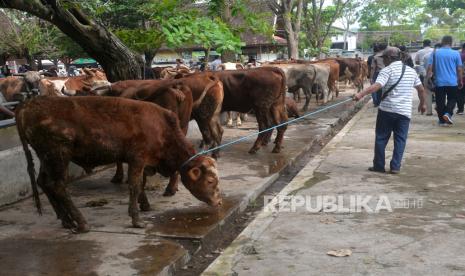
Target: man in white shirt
x=421 y=60
x=395 y=109
x=214 y=65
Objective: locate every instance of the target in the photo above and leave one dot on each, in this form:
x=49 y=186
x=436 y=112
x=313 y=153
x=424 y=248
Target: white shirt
x=399 y=100
x=214 y=64
x=422 y=59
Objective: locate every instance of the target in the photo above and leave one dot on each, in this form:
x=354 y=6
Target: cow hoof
x=117 y=180
x=215 y=156
x=169 y=193
x=138 y=224
x=68 y=224
x=145 y=207
x=253 y=150
x=82 y=228
x=276 y=150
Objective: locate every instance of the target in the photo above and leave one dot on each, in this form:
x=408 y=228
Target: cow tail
x=30 y=162
x=214 y=81
x=283 y=84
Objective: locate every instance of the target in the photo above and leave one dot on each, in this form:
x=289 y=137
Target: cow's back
x=95 y=130
x=10 y=86
x=245 y=89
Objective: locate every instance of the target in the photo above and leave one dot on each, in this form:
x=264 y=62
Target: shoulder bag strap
x=386 y=93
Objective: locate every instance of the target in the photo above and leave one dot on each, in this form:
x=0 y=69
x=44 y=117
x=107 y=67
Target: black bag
x=431 y=82
x=386 y=93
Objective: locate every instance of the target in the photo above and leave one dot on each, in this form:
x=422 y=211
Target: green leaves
x=188 y=30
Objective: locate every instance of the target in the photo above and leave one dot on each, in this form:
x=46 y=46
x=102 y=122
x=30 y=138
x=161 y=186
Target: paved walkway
x=177 y=226
x=424 y=234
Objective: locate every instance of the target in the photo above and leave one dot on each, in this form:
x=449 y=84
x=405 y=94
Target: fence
x=8 y=122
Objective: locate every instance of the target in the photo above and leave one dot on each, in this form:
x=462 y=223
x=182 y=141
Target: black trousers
x=446 y=98
x=460 y=99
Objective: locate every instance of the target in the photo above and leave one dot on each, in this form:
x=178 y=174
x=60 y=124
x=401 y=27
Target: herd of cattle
x=121 y=124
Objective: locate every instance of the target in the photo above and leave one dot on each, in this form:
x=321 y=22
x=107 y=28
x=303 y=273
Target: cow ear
x=194 y=173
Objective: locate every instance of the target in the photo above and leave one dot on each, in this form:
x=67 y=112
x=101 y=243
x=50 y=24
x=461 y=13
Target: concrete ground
x=424 y=234
x=33 y=245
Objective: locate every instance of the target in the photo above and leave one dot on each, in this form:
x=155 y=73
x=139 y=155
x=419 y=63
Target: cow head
x=100 y=88
x=32 y=79
x=200 y=177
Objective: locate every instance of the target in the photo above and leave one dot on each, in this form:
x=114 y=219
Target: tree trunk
x=292 y=20
x=116 y=59
x=293 y=48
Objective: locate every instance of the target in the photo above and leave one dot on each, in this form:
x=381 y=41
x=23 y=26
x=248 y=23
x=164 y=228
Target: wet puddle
x=193 y=222
x=48 y=257
x=317 y=178
x=151 y=259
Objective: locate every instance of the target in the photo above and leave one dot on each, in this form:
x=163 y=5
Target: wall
x=14 y=180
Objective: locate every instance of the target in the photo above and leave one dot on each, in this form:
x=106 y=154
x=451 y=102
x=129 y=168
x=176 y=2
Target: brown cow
x=93 y=131
x=205 y=111
x=82 y=84
x=292 y=109
x=12 y=87
x=177 y=98
x=354 y=66
x=261 y=89
x=205 y=92
x=157 y=71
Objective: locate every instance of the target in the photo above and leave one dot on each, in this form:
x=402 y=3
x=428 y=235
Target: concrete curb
x=224 y=264
x=15 y=184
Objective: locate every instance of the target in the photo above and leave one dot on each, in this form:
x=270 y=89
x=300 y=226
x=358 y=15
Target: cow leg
x=76 y=215
x=261 y=126
x=308 y=95
x=135 y=172
x=267 y=135
x=217 y=133
x=144 y=204
x=47 y=187
x=229 y=121
x=119 y=175
x=57 y=169
x=238 y=119
x=172 y=187
x=279 y=116
x=204 y=130
x=325 y=93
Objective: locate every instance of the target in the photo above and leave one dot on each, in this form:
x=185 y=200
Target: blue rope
x=266 y=130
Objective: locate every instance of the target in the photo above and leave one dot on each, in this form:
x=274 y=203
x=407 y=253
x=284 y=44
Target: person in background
x=421 y=67
x=448 y=79
x=72 y=71
x=214 y=65
x=461 y=93
x=51 y=72
x=179 y=62
x=395 y=109
x=376 y=66
x=405 y=56
x=202 y=64
x=7 y=71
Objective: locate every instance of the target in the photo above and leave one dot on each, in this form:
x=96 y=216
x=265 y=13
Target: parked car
x=351 y=54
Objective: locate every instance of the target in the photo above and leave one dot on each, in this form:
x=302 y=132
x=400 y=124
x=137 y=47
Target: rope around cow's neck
x=268 y=129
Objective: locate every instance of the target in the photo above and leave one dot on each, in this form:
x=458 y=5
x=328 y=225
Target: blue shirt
x=447 y=61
